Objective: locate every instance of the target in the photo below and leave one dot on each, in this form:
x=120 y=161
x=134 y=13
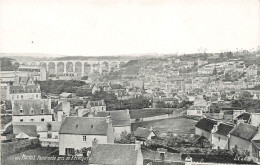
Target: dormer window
x=21 y=109
x=31 y=110
x=42 y=110
x=92 y=126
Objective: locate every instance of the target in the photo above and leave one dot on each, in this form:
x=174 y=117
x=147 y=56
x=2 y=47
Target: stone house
x=204 y=126
x=38 y=110
x=79 y=132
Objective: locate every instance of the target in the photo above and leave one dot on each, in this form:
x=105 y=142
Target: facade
x=241 y=137
x=96 y=106
x=78 y=132
x=38 y=73
x=196 y=111
x=22 y=88
x=204 y=126
x=220 y=136
x=38 y=110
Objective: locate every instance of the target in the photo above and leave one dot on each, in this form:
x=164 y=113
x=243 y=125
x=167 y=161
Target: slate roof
x=206 y=124
x=114 y=154
x=142 y=133
x=116 y=86
x=35 y=104
x=224 y=129
x=84 y=126
x=244 y=131
x=22 y=135
x=58 y=107
x=119 y=118
x=65 y=94
x=29 y=130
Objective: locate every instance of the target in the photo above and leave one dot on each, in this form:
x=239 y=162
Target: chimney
x=108 y=119
x=94 y=143
x=137 y=145
x=215 y=128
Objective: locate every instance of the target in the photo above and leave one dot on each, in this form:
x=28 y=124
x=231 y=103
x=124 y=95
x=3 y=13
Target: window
x=32 y=120
x=32 y=111
x=36 y=95
x=21 y=120
x=49 y=135
x=70 y=151
x=42 y=111
x=21 y=96
x=21 y=110
x=218 y=138
x=42 y=119
x=84 y=138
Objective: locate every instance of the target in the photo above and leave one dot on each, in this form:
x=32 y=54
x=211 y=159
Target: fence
x=18 y=146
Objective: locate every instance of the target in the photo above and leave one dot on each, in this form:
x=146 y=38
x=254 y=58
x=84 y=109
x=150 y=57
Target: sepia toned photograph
x=130 y=82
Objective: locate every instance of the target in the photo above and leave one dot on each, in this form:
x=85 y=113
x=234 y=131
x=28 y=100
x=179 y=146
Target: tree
x=125 y=138
x=84 y=78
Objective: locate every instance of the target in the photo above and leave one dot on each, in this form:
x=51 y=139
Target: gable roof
x=224 y=129
x=29 y=130
x=84 y=126
x=114 y=154
x=22 y=135
x=244 y=131
x=119 y=118
x=43 y=126
x=206 y=124
x=244 y=116
x=36 y=104
x=58 y=107
x=142 y=133
x=65 y=94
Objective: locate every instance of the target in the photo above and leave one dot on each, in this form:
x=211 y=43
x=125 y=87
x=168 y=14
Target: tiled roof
x=244 y=131
x=84 y=126
x=114 y=154
x=224 y=129
x=206 y=124
x=29 y=130
x=35 y=105
x=119 y=118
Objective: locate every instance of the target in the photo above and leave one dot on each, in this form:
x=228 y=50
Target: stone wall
x=18 y=146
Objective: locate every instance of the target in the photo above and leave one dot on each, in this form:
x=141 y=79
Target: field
x=174 y=125
x=142 y=113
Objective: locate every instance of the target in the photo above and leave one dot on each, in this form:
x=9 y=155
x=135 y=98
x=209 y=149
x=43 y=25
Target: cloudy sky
x=114 y=27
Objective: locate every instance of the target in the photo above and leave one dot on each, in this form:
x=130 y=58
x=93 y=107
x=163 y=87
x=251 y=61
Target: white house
x=38 y=110
x=79 y=132
x=143 y=134
x=195 y=111
x=220 y=136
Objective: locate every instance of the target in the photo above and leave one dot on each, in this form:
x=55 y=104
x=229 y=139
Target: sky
x=117 y=27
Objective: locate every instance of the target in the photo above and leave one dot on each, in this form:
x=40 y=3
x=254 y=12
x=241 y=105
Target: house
x=38 y=110
x=256 y=150
x=116 y=154
x=120 y=121
x=195 y=111
x=220 y=136
x=200 y=101
x=61 y=110
x=49 y=130
x=143 y=134
x=96 y=106
x=244 y=118
x=204 y=126
x=66 y=95
x=28 y=130
x=23 y=88
x=241 y=136
x=100 y=86
x=79 y=132
x=122 y=95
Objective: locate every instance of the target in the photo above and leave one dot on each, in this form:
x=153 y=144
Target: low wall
x=49 y=142
x=18 y=146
